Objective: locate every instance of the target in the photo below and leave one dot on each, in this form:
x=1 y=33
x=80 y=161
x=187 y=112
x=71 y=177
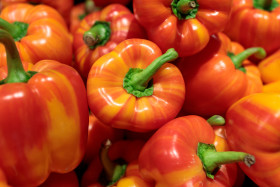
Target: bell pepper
x=185 y=25
x=252 y=124
x=62 y=6
x=100 y=32
x=102 y=3
x=111 y=164
x=273 y=87
x=97 y=134
x=270 y=68
x=40 y=33
x=43 y=119
x=215 y=77
x=64 y=180
x=181 y=153
x=255 y=23
x=78 y=13
x=3 y=180
x=134 y=88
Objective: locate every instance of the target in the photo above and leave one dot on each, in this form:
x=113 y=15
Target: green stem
x=216 y=120
x=264 y=4
x=90 y=6
x=10 y=28
x=140 y=80
x=113 y=171
x=212 y=160
x=185 y=9
x=239 y=58
x=16 y=72
x=99 y=34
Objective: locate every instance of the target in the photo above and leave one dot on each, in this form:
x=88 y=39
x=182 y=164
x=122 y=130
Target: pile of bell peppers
x=139 y=93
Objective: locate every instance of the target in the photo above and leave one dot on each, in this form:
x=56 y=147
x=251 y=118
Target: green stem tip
x=216 y=120
x=185 y=9
x=212 y=160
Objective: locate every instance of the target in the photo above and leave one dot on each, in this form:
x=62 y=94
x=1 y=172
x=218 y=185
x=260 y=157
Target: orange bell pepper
x=216 y=77
x=44 y=119
x=185 y=25
x=62 y=6
x=40 y=33
x=255 y=23
x=252 y=125
x=270 y=68
x=134 y=88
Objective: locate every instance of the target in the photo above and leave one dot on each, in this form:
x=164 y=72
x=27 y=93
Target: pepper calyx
x=184 y=9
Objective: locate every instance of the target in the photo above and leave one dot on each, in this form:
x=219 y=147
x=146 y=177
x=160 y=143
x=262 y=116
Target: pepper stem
x=10 y=28
x=16 y=72
x=99 y=34
x=212 y=160
x=184 y=9
x=239 y=58
x=216 y=120
x=90 y=7
x=267 y=5
x=113 y=171
x=184 y=6
x=17 y=29
x=140 y=80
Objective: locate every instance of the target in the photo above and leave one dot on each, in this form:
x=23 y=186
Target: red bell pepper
x=185 y=25
x=102 y=3
x=61 y=180
x=215 y=77
x=100 y=32
x=270 y=68
x=255 y=23
x=79 y=12
x=62 y=6
x=43 y=119
x=40 y=33
x=126 y=151
x=181 y=153
x=252 y=125
x=3 y=180
x=134 y=88
x=97 y=134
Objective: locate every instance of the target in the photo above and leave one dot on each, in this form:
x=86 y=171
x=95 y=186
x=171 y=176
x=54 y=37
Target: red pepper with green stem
x=52 y=96
x=134 y=87
x=215 y=78
x=185 y=25
x=181 y=153
x=40 y=33
x=100 y=32
x=252 y=125
x=255 y=23
x=105 y=170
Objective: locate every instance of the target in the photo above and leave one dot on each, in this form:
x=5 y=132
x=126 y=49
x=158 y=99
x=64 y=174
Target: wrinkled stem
x=184 y=6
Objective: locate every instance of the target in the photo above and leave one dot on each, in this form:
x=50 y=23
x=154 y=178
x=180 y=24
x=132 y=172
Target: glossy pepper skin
x=257 y=114
x=187 y=32
x=100 y=32
x=62 y=6
x=253 y=23
x=215 y=80
x=46 y=37
x=170 y=157
x=122 y=96
x=126 y=150
x=103 y=3
x=44 y=119
x=66 y=180
x=270 y=68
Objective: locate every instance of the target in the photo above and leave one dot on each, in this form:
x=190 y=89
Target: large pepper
x=43 y=119
x=255 y=23
x=252 y=125
x=100 y=32
x=40 y=33
x=185 y=25
x=62 y=6
x=3 y=180
x=181 y=153
x=215 y=77
x=103 y=3
x=134 y=88
x=110 y=165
